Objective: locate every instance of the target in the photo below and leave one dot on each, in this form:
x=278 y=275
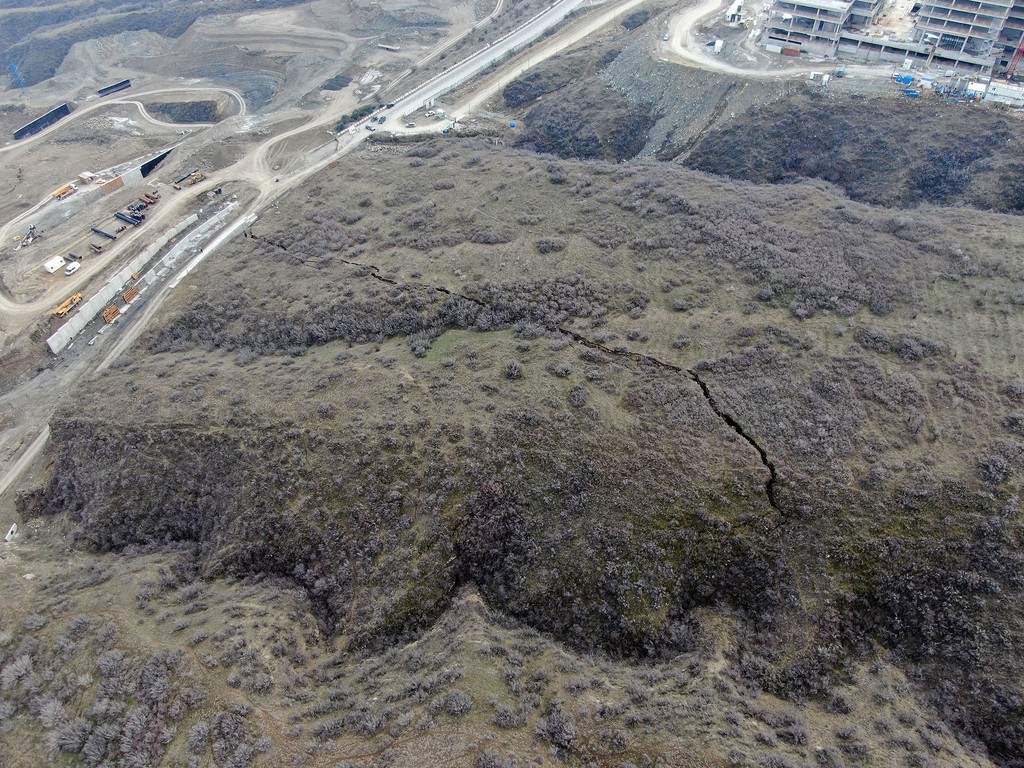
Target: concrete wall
x=88 y=311
x=112 y=185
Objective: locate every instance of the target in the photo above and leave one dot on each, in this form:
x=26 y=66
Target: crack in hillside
x=770 y=484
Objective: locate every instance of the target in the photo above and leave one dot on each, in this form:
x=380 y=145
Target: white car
x=71 y=268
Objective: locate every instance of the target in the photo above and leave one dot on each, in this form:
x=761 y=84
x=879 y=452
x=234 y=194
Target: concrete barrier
x=89 y=310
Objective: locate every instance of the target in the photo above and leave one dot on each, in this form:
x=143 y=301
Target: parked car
x=71 y=268
x=370 y=128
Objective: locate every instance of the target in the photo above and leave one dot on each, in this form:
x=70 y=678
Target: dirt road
x=36 y=402
x=683 y=47
x=132 y=99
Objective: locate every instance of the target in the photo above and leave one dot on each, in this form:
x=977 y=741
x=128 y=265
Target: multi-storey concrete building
x=977 y=35
x=813 y=25
x=963 y=27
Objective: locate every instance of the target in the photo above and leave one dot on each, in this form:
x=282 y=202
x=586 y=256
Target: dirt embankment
x=209 y=111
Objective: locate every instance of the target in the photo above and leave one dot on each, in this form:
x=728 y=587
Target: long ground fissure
x=770 y=484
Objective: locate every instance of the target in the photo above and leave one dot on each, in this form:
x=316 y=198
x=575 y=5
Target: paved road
x=475 y=63
x=14 y=471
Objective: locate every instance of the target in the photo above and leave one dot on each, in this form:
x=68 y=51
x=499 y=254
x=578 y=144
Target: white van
x=71 y=268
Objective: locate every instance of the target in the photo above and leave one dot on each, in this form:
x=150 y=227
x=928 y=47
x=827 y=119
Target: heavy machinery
x=133 y=220
x=31 y=235
x=193 y=178
x=68 y=304
x=65 y=191
x=1017 y=56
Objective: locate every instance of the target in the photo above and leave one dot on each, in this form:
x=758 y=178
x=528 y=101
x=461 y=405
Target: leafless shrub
x=508 y=716
x=579 y=395
x=558 y=727
x=458 y=703
x=550 y=245
x=1014 y=390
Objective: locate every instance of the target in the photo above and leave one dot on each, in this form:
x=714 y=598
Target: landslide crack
x=770 y=484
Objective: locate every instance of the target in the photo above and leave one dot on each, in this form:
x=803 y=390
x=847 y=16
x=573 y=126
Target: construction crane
x=15 y=70
x=1017 y=56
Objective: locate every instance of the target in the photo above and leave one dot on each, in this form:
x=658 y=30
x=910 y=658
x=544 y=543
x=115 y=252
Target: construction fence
x=90 y=309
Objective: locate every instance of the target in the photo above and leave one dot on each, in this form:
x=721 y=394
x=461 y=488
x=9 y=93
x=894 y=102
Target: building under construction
x=984 y=36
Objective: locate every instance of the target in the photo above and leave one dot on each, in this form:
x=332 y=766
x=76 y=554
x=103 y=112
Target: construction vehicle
x=1015 y=62
x=189 y=180
x=31 y=235
x=65 y=191
x=184 y=176
x=68 y=304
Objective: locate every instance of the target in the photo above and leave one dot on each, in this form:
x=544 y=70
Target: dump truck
x=68 y=304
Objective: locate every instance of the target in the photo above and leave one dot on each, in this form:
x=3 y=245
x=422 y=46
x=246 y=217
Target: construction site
x=968 y=36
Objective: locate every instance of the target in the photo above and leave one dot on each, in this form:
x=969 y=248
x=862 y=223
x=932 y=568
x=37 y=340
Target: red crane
x=1017 y=56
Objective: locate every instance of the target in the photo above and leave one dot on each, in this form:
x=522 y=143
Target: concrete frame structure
x=1011 y=36
x=813 y=25
x=979 y=35
x=962 y=27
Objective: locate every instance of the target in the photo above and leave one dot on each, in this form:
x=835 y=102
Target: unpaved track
x=40 y=402
x=127 y=99
x=682 y=47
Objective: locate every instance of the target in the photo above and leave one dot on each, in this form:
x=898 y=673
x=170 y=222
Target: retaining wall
x=88 y=311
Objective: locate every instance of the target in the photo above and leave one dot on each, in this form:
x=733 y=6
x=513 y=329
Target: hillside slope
x=653 y=415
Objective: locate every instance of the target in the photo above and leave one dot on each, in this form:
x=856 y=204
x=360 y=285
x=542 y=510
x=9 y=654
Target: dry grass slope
x=456 y=393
